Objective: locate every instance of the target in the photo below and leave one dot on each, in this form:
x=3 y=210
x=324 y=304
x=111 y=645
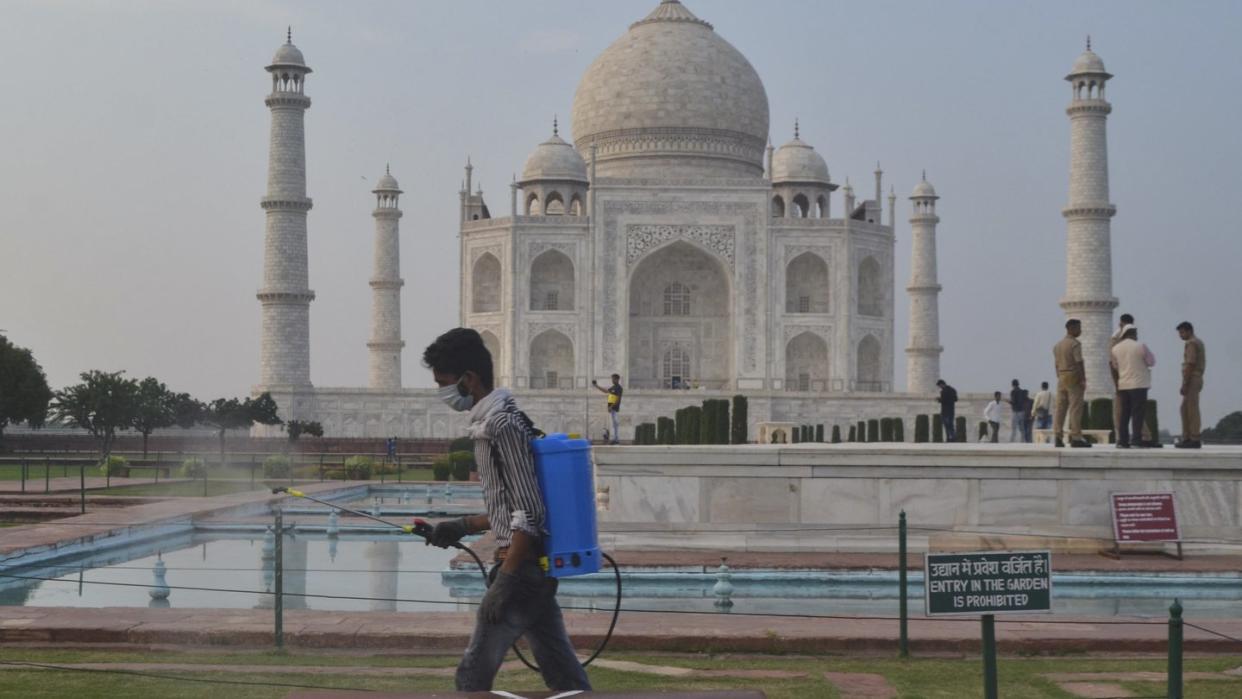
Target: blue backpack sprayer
x=566 y=482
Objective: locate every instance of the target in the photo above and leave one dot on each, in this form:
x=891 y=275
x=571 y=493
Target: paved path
x=449 y=631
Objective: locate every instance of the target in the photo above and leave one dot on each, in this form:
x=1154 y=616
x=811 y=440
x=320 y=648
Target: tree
x=224 y=414
x=24 y=393
x=102 y=404
x=1228 y=430
x=297 y=428
x=156 y=407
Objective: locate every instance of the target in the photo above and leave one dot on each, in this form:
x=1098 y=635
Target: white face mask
x=454 y=397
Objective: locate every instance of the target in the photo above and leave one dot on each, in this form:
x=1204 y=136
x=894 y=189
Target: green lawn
x=1020 y=678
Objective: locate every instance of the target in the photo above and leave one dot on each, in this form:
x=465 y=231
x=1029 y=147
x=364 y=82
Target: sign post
x=986 y=583
x=1144 y=518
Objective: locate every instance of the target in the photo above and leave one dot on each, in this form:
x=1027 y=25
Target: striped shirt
x=507 y=471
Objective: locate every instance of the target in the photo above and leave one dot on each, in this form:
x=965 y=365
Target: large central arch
x=680 y=320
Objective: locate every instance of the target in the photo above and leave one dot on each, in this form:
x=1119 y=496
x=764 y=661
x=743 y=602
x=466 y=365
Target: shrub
x=694 y=424
x=1101 y=414
x=277 y=466
x=873 y=430
x=862 y=431
x=937 y=429
x=358 y=468
x=192 y=467
x=665 y=430
x=461 y=444
x=853 y=436
x=115 y=466
x=819 y=433
x=922 y=428
x=441 y=468
x=899 y=429
x=738 y=420
x=723 y=426
x=707 y=422
x=795 y=435
x=463 y=463
x=886 y=429
x=959 y=429
x=836 y=434
x=983 y=430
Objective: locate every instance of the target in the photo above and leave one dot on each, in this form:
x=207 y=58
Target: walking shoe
x=1123 y=445
x=1060 y=443
x=1188 y=444
x=1080 y=444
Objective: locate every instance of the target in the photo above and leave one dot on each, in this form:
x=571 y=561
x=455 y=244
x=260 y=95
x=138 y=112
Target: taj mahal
x=663 y=238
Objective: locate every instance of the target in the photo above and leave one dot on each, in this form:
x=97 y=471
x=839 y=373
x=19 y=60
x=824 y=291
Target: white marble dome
x=387 y=183
x=797 y=161
x=554 y=159
x=288 y=55
x=924 y=189
x=670 y=98
x=1088 y=62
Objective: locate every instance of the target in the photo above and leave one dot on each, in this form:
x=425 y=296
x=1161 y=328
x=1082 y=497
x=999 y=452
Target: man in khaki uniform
x=1071 y=385
x=1194 y=362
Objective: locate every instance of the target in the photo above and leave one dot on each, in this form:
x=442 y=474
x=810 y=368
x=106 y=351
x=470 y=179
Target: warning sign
x=1144 y=517
x=987 y=582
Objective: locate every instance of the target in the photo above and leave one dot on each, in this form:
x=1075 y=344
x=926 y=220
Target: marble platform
x=847 y=497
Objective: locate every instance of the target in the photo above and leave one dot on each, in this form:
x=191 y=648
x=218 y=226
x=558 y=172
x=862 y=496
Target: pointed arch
x=870 y=288
x=806 y=284
x=532 y=204
x=778 y=207
x=867 y=375
x=806 y=363
x=575 y=205
x=551 y=361
x=552 y=282
x=553 y=204
x=485 y=284
x=492 y=343
x=821 y=207
x=800 y=206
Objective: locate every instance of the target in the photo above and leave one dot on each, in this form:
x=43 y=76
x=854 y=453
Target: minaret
x=385 y=344
x=1088 y=250
x=285 y=297
x=923 y=353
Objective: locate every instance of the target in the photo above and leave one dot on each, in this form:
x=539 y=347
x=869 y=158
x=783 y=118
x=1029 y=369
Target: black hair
x=615 y=376
x=1186 y=325
x=458 y=351
x=1044 y=384
x=1126 y=318
x=1014 y=383
x=1072 y=322
x=940 y=382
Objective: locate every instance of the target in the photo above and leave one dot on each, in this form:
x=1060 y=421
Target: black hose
x=616 y=610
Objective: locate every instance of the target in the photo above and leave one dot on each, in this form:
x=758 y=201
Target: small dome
x=924 y=189
x=288 y=55
x=1088 y=62
x=554 y=159
x=797 y=161
x=387 y=183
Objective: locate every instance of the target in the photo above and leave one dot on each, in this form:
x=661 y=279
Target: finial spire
x=796 y=128
x=1088 y=42
x=924 y=175
x=387 y=169
x=555 y=128
x=289 y=34
x=877 y=167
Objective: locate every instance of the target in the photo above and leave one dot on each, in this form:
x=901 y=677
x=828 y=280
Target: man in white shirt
x=992 y=413
x=1042 y=407
x=1132 y=362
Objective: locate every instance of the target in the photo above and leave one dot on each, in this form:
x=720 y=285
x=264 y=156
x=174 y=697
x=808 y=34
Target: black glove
x=505 y=590
x=447 y=533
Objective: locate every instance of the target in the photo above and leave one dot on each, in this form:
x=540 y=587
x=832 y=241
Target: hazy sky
x=135 y=152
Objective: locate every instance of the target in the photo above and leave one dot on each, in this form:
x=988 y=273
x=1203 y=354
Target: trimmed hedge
x=1152 y=419
x=862 y=431
x=937 y=430
x=873 y=430
x=738 y=420
x=922 y=428
x=983 y=431
x=899 y=429
x=819 y=433
x=665 y=430
x=959 y=429
x=853 y=433
x=886 y=429
x=836 y=434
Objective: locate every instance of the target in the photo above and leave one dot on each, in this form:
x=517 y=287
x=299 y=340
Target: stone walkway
x=449 y=631
x=1104 y=685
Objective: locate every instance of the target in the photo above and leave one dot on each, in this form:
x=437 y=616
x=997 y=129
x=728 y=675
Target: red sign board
x=1144 y=517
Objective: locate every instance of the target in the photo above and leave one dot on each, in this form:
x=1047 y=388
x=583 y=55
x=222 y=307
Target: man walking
x=992 y=413
x=521 y=599
x=1194 y=362
x=1019 y=404
x=1042 y=407
x=1071 y=385
x=1131 y=364
x=614 y=405
x=948 y=409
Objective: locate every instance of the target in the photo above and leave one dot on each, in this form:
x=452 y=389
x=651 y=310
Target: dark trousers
x=536 y=616
x=950 y=429
x=1133 y=410
x=995 y=427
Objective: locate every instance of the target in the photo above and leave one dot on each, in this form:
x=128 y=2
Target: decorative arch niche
x=485 y=284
